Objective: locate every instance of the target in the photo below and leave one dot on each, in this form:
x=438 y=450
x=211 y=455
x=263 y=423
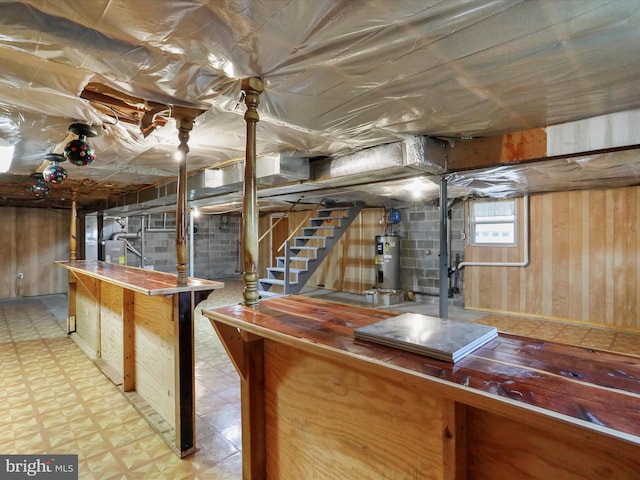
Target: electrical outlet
x=21 y=275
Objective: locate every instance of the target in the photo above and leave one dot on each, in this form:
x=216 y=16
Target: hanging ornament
x=78 y=151
x=39 y=189
x=54 y=173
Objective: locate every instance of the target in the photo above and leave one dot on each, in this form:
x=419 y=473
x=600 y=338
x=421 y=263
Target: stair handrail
x=293 y=232
x=286 y=214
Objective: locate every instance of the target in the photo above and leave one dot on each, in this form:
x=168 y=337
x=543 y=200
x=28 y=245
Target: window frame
x=499 y=220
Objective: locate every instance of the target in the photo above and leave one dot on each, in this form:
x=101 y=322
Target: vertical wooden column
x=182 y=248
x=252 y=88
x=71 y=296
x=73 y=228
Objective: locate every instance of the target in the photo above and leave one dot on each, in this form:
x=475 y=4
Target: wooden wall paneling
x=633 y=307
x=560 y=294
x=585 y=264
x=33 y=239
x=499 y=447
x=618 y=252
x=610 y=238
x=111 y=330
x=584 y=249
x=574 y=257
x=23 y=249
x=154 y=353
x=9 y=258
x=324 y=419
x=597 y=277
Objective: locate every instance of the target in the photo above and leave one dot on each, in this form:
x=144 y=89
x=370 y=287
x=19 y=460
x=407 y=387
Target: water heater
x=388 y=262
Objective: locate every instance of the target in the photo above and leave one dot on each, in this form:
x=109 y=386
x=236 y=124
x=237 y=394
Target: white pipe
x=525 y=252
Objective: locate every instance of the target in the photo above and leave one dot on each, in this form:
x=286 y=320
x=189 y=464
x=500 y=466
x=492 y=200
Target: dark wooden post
x=184 y=120
x=252 y=88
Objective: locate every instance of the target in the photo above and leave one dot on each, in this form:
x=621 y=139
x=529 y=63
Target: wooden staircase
x=305 y=253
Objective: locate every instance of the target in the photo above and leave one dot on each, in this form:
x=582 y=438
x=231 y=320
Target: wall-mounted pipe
x=525 y=250
x=444 y=253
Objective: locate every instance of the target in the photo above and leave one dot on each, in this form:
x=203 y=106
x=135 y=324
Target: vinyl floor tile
x=53 y=399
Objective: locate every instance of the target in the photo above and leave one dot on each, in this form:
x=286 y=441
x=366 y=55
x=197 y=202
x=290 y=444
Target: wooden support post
x=252 y=88
x=72 y=229
x=184 y=119
x=182 y=247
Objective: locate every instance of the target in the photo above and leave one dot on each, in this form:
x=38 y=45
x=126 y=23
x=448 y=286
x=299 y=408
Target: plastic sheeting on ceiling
x=341 y=75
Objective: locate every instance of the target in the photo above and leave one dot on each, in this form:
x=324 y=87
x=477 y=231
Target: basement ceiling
x=340 y=76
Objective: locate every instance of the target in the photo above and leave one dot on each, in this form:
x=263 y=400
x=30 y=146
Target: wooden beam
x=513 y=147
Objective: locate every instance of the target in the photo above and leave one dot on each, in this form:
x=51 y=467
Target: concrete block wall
x=216 y=244
x=419 y=230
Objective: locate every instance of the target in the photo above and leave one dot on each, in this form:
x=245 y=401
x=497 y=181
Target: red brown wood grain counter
x=149 y=282
x=590 y=388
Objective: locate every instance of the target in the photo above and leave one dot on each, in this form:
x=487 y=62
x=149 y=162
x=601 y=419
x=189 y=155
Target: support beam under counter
x=137 y=325
x=317 y=403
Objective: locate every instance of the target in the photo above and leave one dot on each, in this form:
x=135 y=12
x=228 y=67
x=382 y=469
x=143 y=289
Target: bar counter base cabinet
x=142 y=339
x=313 y=408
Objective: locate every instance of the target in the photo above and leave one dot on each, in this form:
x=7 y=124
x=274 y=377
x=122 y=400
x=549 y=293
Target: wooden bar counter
x=138 y=326
x=318 y=404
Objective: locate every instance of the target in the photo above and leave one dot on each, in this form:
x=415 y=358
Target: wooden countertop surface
x=149 y=282
x=511 y=375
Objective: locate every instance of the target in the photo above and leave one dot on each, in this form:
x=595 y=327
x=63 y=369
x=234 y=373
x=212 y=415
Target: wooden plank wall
x=32 y=238
x=584 y=261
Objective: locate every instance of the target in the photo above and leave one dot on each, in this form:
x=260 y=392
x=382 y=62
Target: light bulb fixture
x=78 y=151
x=54 y=173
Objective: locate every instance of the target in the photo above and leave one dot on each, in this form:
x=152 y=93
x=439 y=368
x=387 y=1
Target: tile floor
x=54 y=399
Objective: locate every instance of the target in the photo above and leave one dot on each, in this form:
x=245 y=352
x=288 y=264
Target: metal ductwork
x=415 y=155
x=270 y=171
x=286 y=175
